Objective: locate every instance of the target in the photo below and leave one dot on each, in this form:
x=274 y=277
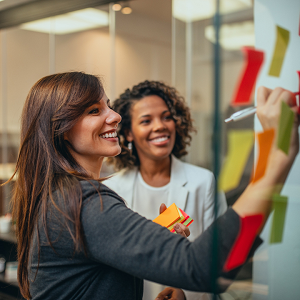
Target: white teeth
x=162 y=139
x=109 y=135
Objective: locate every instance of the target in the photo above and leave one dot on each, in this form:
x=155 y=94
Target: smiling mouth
x=109 y=135
x=160 y=139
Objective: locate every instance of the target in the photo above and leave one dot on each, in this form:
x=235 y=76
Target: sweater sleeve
x=121 y=238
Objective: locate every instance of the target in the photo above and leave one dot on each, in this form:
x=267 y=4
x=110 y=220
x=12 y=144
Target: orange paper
x=253 y=62
x=168 y=217
x=265 y=140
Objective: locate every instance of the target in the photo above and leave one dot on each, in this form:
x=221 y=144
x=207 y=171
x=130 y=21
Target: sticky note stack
x=171 y=216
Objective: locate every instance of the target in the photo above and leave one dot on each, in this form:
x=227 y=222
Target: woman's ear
x=66 y=136
x=128 y=135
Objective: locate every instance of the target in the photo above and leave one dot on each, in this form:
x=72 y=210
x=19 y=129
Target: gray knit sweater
x=123 y=248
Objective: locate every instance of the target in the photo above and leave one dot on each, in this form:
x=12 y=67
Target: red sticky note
x=250 y=226
x=265 y=141
x=299 y=83
x=253 y=62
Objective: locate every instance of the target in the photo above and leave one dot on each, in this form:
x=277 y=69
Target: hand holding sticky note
x=171 y=216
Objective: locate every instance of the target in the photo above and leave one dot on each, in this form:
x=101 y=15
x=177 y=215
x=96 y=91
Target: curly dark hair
x=179 y=111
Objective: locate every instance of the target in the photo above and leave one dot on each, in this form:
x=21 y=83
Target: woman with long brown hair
x=76 y=237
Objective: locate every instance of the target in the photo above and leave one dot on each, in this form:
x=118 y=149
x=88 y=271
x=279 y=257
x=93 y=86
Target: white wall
x=278 y=265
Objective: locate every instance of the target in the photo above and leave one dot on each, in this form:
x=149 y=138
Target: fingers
x=182 y=229
x=162 y=208
x=268 y=96
x=262 y=95
x=171 y=294
x=269 y=105
x=164 y=294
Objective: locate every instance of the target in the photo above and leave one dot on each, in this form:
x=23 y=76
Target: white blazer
x=192 y=190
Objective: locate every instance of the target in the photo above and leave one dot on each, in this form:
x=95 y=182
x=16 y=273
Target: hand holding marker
x=242 y=114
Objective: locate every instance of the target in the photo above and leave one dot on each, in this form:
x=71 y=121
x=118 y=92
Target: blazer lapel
x=127 y=185
x=178 y=192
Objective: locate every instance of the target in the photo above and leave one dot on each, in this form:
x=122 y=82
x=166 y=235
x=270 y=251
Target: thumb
x=164 y=294
x=162 y=208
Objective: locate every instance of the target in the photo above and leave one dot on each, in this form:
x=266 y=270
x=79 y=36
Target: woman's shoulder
x=94 y=188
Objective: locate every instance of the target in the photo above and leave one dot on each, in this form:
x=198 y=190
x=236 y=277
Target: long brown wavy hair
x=179 y=111
x=53 y=105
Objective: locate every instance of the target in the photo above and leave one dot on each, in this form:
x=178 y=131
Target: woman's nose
x=158 y=125
x=113 y=117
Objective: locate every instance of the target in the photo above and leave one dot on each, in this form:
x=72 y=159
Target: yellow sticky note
x=240 y=144
x=282 y=41
x=168 y=217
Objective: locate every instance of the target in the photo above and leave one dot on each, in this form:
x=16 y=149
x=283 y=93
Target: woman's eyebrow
x=144 y=116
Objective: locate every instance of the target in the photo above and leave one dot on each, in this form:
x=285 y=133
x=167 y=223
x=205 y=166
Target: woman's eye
x=94 y=111
x=145 y=122
x=169 y=117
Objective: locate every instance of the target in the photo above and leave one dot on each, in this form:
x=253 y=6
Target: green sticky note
x=285 y=128
x=279 y=206
x=282 y=41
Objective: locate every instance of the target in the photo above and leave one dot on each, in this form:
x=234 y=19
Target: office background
x=165 y=40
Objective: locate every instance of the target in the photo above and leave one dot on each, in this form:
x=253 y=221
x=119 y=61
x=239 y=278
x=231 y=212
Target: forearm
x=257 y=198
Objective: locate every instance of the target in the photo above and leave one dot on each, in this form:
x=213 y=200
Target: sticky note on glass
x=265 y=141
x=298 y=72
x=285 y=128
x=282 y=41
x=279 y=206
x=240 y=144
x=252 y=65
x=249 y=228
x=171 y=216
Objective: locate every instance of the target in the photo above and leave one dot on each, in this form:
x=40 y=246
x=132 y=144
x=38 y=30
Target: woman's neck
x=156 y=173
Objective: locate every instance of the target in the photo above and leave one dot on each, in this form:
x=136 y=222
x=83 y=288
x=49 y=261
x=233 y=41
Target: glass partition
x=128 y=42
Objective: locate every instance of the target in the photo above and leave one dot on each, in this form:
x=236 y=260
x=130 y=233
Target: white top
x=150 y=198
x=191 y=188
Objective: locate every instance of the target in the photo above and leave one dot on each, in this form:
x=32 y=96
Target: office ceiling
x=157 y=9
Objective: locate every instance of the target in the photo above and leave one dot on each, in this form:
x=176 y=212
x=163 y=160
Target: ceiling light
x=195 y=10
x=233 y=36
x=126 y=10
x=79 y=20
x=117 y=7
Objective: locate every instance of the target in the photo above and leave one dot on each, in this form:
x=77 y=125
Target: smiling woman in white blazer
x=154 y=133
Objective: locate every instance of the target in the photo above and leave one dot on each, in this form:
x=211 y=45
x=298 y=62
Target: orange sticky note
x=168 y=217
x=241 y=248
x=265 y=140
x=253 y=62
